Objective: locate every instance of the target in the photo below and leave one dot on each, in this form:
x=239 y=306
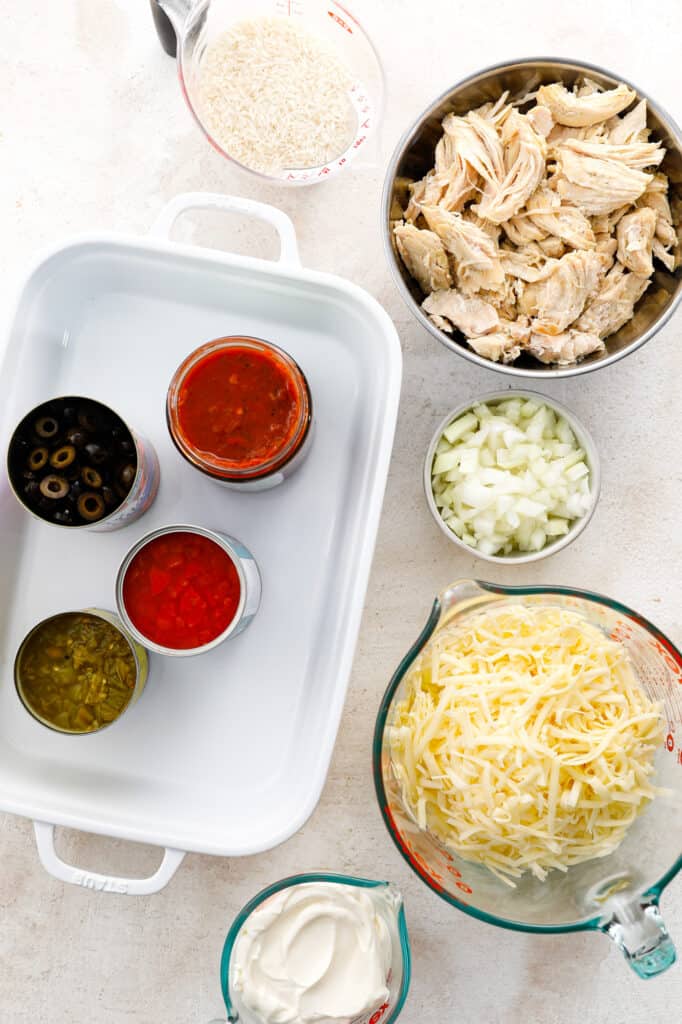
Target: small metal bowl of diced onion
x=512 y=477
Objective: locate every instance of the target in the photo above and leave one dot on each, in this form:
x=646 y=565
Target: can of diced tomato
x=183 y=590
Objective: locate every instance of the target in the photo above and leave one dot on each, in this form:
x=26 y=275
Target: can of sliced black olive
x=78 y=672
x=74 y=462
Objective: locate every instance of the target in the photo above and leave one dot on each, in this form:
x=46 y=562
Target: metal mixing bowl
x=414 y=156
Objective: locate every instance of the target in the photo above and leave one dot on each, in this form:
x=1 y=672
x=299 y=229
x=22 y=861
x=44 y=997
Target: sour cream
x=316 y=952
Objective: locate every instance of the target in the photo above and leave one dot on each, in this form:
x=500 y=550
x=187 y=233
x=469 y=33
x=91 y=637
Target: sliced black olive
x=110 y=496
x=38 y=458
x=88 y=418
x=31 y=490
x=126 y=475
x=63 y=457
x=47 y=427
x=76 y=489
x=91 y=506
x=97 y=453
x=53 y=486
x=126 y=447
x=64 y=517
x=69 y=414
x=91 y=477
x=76 y=436
x=28 y=474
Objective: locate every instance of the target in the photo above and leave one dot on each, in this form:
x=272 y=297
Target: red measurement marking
x=622 y=632
x=464 y=887
x=670 y=742
x=359 y=142
x=455 y=872
x=668 y=659
x=379 y=1014
x=340 y=21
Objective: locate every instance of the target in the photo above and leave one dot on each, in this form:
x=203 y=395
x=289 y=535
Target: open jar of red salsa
x=239 y=409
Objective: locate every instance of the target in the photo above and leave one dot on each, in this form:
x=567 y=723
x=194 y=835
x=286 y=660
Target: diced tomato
x=158 y=580
x=181 y=590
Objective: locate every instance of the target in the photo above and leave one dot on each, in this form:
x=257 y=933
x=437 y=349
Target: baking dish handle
x=163 y=224
x=55 y=866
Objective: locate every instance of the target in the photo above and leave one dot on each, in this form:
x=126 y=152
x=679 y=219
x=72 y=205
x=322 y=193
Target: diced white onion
x=510 y=477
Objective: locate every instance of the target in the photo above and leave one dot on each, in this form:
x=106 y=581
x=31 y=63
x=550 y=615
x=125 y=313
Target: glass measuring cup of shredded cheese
x=284 y=930
x=293 y=99
x=616 y=891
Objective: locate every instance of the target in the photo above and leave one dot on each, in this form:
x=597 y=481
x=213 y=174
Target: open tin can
x=245 y=607
x=74 y=670
x=74 y=462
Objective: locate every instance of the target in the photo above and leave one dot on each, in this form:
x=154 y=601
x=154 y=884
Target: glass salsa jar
x=239 y=409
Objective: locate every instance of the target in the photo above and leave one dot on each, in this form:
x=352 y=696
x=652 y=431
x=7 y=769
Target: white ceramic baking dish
x=225 y=754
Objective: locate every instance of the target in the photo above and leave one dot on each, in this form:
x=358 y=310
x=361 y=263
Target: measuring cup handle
x=638 y=930
x=55 y=866
x=164 y=28
x=163 y=224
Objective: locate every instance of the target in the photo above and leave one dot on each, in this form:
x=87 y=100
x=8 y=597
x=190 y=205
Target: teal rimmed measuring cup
x=618 y=894
x=388 y=903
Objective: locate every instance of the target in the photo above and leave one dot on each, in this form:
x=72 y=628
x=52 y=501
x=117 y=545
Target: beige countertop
x=94 y=136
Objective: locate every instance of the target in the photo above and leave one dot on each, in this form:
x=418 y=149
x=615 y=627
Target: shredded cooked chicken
x=476 y=254
x=635 y=234
x=633 y=154
x=565 y=348
x=537 y=228
x=524 y=167
x=504 y=344
x=614 y=304
x=596 y=184
x=568 y=223
x=423 y=254
x=581 y=110
x=629 y=128
x=470 y=316
x=557 y=299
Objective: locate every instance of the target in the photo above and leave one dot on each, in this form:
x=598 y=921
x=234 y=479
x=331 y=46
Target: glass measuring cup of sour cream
x=318 y=947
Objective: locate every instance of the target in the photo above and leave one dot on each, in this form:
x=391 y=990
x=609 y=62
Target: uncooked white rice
x=275 y=97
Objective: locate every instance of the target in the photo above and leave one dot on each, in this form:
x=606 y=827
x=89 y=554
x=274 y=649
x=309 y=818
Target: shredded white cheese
x=525 y=741
x=275 y=97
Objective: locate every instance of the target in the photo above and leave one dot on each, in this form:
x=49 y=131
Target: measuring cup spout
x=638 y=930
x=460 y=595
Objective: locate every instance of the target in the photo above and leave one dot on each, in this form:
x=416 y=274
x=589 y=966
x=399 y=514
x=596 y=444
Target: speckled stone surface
x=94 y=136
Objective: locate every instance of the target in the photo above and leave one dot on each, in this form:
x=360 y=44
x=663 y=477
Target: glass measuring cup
x=389 y=905
x=618 y=894
x=197 y=23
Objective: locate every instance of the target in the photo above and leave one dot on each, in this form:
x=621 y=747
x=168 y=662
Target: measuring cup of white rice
x=289 y=90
